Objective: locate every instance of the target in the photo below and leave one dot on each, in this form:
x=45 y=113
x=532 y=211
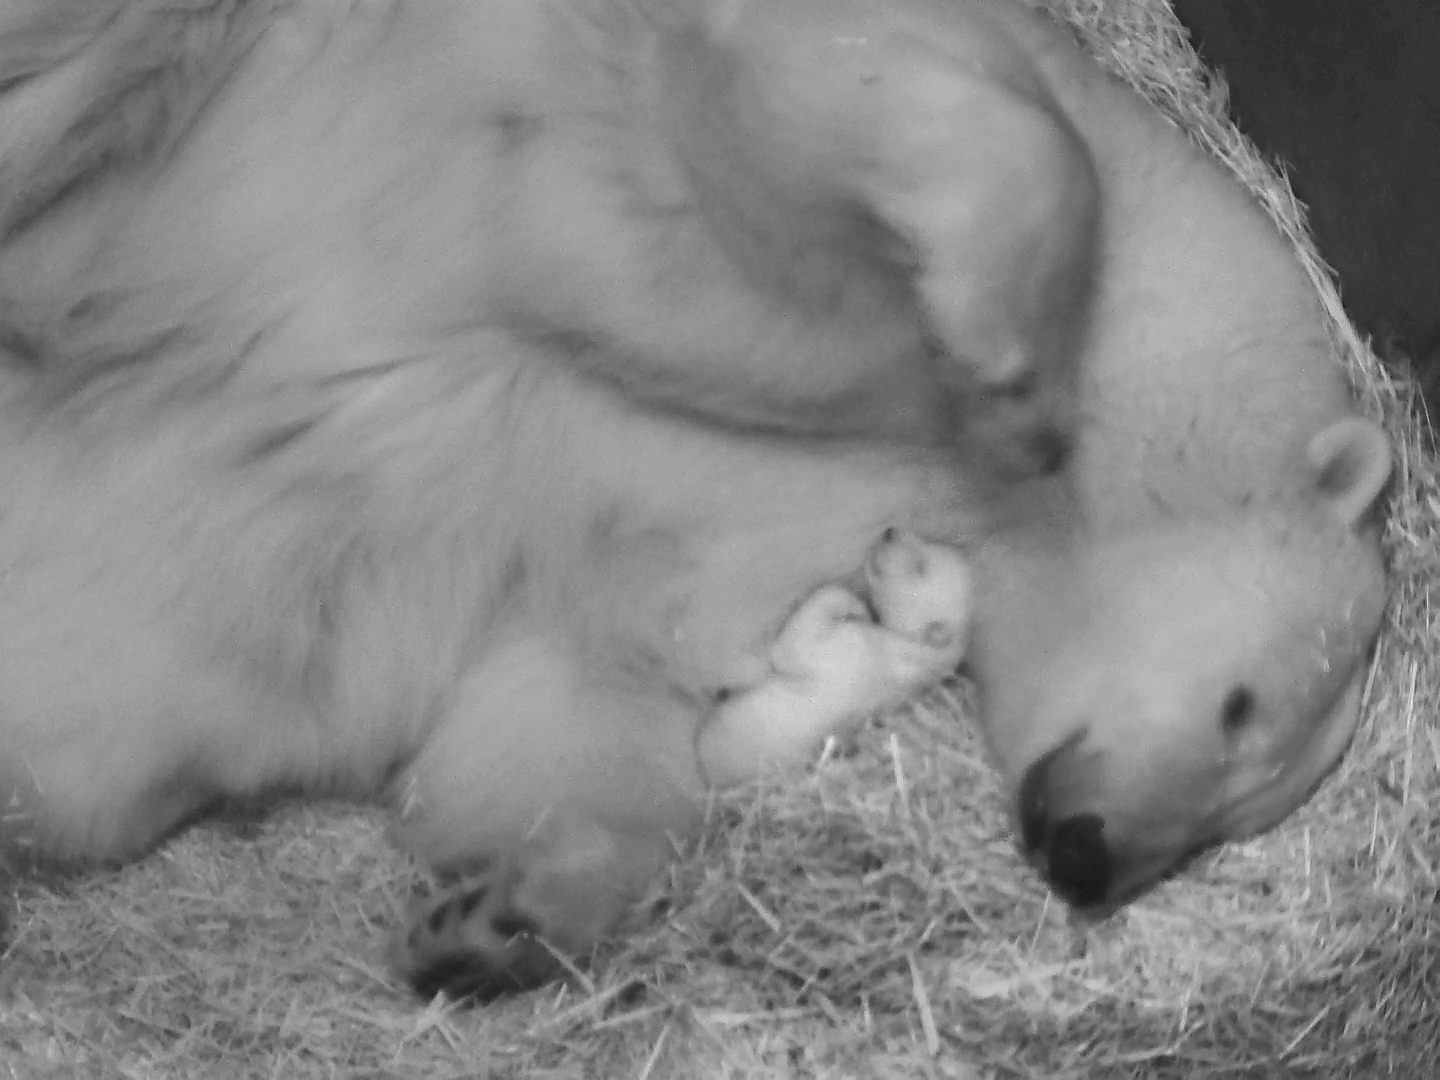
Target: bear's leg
x=108 y=736
x=946 y=133
x=832 y=663
x=515 y=920
x=556 y=797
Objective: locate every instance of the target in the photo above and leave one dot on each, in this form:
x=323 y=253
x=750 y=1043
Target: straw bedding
x=867 y=920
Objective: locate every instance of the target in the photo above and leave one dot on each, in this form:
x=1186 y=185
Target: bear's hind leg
x=516 y=921
x=555 y=797
x=108 y=738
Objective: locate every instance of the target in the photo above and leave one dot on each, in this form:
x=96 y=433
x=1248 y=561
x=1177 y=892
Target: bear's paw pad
x=472 y=943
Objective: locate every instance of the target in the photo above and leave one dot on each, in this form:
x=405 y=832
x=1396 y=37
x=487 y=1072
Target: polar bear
x=443 y=404
x=833 y=662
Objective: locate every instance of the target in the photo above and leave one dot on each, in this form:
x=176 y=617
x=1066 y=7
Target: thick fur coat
x=447 y=403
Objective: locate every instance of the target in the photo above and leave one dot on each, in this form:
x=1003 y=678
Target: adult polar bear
x=446 y=401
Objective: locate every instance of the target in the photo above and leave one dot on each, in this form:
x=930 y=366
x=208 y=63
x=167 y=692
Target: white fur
x=832 y=664
x=441 y=401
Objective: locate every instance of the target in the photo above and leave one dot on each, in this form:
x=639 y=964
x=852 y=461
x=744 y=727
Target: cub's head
x=1216 y=679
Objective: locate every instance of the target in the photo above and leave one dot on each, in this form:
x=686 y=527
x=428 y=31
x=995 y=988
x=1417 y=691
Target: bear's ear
x=1352 y=461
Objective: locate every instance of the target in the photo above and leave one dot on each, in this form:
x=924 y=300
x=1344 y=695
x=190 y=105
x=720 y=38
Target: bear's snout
x=1100 y=837
x=1069 y=848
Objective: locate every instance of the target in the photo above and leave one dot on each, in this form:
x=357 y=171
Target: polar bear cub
x=838 y=659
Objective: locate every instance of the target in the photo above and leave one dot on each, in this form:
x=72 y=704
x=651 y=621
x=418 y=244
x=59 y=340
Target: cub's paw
x=831 y=632
x=471 y=942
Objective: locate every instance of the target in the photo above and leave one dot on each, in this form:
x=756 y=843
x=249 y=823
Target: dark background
x=1346 y=93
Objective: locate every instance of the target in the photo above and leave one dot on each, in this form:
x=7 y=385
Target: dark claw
x=512 y=925
x=465 y=978
x=471 y=900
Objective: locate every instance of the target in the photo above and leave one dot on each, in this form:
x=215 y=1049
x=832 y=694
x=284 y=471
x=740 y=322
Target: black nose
x=1076 y=859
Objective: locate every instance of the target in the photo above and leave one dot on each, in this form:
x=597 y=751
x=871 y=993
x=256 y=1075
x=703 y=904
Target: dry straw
x=868 y=920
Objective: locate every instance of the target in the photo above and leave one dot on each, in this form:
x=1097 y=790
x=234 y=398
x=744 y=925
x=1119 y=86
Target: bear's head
x=1194 y=683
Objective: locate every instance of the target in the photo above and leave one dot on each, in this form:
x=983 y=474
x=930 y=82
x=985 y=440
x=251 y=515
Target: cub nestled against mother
x=471 y=404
